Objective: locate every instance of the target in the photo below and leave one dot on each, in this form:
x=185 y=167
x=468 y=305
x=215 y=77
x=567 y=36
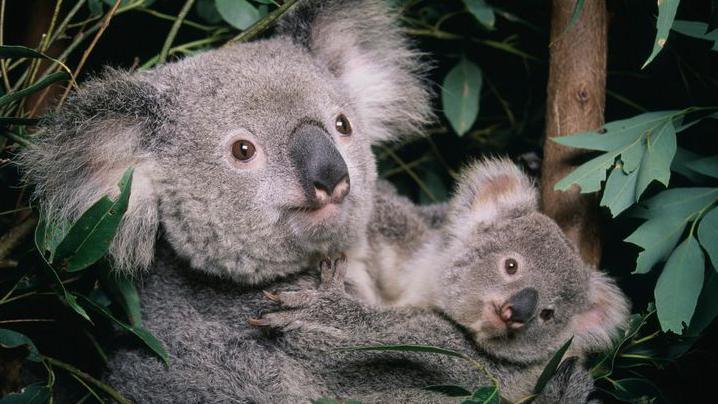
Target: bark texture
x=576 y=99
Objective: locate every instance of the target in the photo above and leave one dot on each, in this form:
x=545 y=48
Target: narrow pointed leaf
x=51 y=78
x=708 y=235
x=485 y=395
x=483 y=12
x=460 y=95
x=680 y=285
x=666 y=14
x=550 y=369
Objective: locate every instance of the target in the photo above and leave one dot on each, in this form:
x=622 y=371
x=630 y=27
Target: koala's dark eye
x=546 y=314
x=511 y=266
x=243 y=150
x=343 y=126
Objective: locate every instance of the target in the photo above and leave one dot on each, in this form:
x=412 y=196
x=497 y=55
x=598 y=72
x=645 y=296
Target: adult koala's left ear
x=360 y=43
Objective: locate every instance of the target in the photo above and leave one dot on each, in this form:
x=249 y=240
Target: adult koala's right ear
x=491 y=190
x=360 y=42
x=81 y=152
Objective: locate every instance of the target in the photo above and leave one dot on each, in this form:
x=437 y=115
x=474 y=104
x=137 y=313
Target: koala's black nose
x=322 y=171
x=519 y=308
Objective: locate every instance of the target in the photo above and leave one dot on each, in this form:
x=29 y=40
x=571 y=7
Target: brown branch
x=576 y=99
x=15 y=235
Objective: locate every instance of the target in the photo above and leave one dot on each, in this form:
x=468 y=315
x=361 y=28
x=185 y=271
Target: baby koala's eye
x=343 y=126
x=243 y=150
x=511 y=266
x=546 y=314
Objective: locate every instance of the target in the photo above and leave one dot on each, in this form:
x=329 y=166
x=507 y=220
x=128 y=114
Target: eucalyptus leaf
x=16 y=51
x=657 y=237
x=50 y=79
x=706 y=166
x=14 y=339
x=238 y=13
x=460 y=95
x=207 y=10
x=124 y=292
x=550 y=369
x=661 y=147
x=708 y=235
x=449 y=390
x=680 y=163
x=486 y=395
x=90 y=236
x=698 y=30
x=35 y=393
x=620 y=191
x=707 y=306
x=587 y=176
x=666 y=14
x=681 y=202
x=483 y=12
x=679 y=286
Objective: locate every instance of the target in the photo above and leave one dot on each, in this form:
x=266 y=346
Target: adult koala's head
x=253 y=157
x=514 y=280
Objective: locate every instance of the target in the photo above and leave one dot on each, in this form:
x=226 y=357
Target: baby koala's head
x=513 y=279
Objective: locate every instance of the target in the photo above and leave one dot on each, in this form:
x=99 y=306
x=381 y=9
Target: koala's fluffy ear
x=360 y=42
x=81 y=152
x=491 y=190
x=608 y=311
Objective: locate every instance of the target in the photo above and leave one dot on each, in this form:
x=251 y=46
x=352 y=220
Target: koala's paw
x=571 y=384
x=332 y=274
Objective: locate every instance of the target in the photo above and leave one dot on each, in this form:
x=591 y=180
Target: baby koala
x=494 y=264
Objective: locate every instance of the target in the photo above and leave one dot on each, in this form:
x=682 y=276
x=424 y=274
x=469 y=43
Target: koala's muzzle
x=519 y=308
x=322 y=171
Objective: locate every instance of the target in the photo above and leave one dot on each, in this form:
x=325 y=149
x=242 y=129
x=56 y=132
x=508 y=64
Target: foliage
x=654 y=163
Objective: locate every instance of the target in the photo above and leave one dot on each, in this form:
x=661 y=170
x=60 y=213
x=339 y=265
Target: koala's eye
x=511 y=266
x=243 y=150
x=546 y=314
x=343 y=126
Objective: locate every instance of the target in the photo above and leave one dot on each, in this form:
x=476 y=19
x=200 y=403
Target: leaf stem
x=173 y=31
x=261 y=25
x=87 y=378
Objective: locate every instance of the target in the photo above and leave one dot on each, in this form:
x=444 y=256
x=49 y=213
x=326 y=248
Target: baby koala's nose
x=519 y=308
x=325 y=193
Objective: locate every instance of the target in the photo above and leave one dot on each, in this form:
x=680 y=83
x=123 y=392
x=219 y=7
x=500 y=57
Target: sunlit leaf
x=679 y=285
x=460 y=95
x=238 y=13
x=666 y=14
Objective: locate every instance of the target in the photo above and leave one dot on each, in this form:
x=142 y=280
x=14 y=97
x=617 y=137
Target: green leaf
x=698 y=30
x=207 y=10
x=666 y=14
x=51 y=78
x=35 y=393
x=18 y=52
x=13 y=339
x=449 y=390
x=90 y=236
x=706 y=166
x=406 y=348
x=588 y=176
x=656 y=163
x=66 y=296
x=485 y=395
x=238 y=13
x=707 y=306
x=123 y=291
x=460 y=95
x=550 y=369
x=95 y=7
x=483 y=12
x=145 y=336
x=708 y=235
x=635 y=390
x=679 y=285
x=620 y=192
x=680 y=163
x=682 y=202
x=657 y=237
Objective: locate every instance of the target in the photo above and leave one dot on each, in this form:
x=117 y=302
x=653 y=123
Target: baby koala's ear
x=607 y=312
x=492 y=190
x=361 y=44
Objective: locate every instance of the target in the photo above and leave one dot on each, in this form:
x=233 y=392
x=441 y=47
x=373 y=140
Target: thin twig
x=411 y=174
x=3 y=65
x=87 y=378
x=261 y=25
x=28 y=320
x=173 y=31
x=86 y=54
x=168 y=17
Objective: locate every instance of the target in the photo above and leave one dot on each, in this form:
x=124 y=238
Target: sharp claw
x=271 y=296
x=258 y=322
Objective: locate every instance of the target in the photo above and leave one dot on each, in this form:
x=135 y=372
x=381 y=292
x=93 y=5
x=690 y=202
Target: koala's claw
x=333 y=272
x=280 y=320
x=271 y=296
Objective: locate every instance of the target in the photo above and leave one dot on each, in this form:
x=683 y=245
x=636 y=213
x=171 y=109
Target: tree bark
x=576 y=99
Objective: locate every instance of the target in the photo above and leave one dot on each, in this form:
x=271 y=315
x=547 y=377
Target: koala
x=250 y=163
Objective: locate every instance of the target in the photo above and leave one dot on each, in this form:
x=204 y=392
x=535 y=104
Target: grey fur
x=223 y=221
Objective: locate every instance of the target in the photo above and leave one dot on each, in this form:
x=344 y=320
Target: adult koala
x=254 y=160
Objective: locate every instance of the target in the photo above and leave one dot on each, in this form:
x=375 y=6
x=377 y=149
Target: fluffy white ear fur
x=608 y=311
x=360 y=42
x=491 y=190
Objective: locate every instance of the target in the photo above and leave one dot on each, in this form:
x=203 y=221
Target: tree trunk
x=576 y=98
